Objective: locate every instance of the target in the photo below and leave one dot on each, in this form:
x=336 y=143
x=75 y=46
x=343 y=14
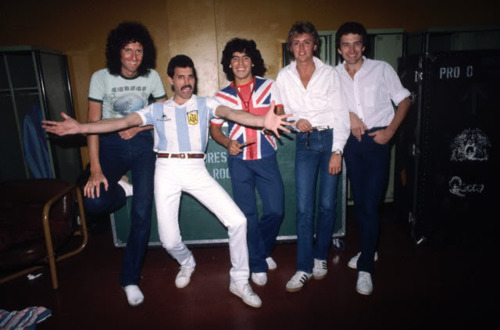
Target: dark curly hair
x=180 y=61
x=299 y=28
x=354 y=28
x=124 y=34
x=242 y=46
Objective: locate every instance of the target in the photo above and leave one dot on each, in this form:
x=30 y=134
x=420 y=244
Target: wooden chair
x=38 y=219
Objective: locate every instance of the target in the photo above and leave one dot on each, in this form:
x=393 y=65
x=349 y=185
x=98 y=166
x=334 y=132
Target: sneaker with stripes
x=320 y=269
x=297 y=281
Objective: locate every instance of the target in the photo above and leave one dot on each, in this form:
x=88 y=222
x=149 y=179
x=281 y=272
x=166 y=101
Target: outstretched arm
x=71 y=126
x=270 y=121
x=131 y=132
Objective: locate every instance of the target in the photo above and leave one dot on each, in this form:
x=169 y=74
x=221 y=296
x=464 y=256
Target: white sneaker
x=320 y=269
x=297 y=281
x=353 y=263
x=245 y=292
x=184 y=277
x=364 y=284
x=129 y=189
x=259 y=278
x=134 y=295
x=271 y=264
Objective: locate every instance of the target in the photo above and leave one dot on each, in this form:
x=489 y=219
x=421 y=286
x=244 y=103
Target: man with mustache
x=180 y=140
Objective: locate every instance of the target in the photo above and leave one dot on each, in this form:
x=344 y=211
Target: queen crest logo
x=193 y=117
x=470 y=145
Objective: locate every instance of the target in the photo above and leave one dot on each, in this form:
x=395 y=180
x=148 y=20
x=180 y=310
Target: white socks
x=129 y=189
x=134 y=295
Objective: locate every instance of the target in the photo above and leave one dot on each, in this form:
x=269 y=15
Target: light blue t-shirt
x=121 y=96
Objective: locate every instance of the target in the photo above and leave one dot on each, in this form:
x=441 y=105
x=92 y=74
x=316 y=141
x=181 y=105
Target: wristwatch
x=338 y=152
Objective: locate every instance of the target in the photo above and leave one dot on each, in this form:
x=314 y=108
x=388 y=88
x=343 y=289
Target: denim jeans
x=263 y=175
x=117 y=157
x=312 y=156
x=367 y=164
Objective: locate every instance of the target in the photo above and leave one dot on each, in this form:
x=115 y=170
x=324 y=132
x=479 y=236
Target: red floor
x=415 y=287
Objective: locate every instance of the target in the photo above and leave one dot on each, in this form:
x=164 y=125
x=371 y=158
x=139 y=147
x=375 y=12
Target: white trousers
x=172 y=177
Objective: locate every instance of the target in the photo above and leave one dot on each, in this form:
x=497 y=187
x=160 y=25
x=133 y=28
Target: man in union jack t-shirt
x=252 y=162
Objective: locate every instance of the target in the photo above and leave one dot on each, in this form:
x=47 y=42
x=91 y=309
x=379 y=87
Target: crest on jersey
x=193 y=117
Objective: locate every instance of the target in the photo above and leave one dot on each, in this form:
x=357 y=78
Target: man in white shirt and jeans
x=311 y=91
x=370 y=88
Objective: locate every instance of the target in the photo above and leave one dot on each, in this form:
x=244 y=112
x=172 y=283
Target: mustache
x=187 y=86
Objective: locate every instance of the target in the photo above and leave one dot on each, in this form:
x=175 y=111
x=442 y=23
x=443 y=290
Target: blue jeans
x=263 y=175
x=312 y=156
x=367 y=164
x=117 y=157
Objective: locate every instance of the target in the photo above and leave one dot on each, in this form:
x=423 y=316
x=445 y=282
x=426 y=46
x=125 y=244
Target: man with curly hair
x=252 y=162
x=124 y=87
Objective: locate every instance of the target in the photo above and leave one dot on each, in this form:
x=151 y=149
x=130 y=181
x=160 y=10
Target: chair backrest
x=21 y=210
x=37 y=192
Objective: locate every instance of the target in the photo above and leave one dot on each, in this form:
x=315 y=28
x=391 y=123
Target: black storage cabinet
x=35 y=85
x=446 y=149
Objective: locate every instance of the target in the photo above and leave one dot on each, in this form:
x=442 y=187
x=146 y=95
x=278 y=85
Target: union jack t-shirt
x=254 y=97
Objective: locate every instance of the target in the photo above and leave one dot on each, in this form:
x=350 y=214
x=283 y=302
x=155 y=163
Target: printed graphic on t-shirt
x=128 y=99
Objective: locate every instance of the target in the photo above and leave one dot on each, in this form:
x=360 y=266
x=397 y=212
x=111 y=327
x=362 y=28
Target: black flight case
x=446 y=149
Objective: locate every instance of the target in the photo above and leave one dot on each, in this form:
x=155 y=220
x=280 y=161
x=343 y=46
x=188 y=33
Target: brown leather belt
x=180 y=155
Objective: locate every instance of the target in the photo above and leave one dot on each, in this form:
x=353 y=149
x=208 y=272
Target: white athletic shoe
x=134 y=295
x=297 y=281
x=353 y=263
x=320 y=269
x=184 y=277
x=245 y=292
x=259 y=278
x=364 y=284
x=271 y=264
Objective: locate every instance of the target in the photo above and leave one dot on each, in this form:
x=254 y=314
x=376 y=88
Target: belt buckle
x=182 y=156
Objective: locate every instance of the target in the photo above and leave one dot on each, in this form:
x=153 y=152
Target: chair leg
x=50 y=249
x=53 y=272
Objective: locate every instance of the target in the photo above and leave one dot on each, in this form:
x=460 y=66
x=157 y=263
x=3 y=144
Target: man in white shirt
x=180 y=139
x=310 y=90
x=370 y=88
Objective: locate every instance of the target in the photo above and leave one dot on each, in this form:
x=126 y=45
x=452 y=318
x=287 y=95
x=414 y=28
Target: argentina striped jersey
x=180 y=128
